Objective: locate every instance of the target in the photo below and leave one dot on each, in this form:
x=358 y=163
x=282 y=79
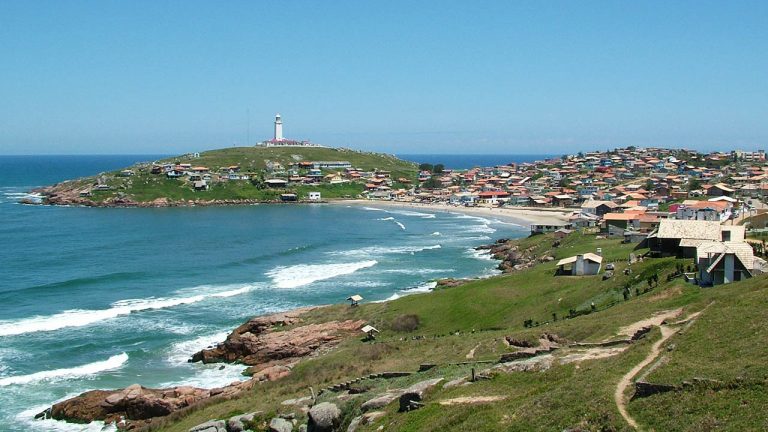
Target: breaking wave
x=84 y=317
x=111 y=363
x=381 y=250
x=304 y=274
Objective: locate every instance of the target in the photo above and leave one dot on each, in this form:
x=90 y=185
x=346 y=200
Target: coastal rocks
x=133 y=403
x=263 y=343
x=512 y=257
x=547 y=343
x=324 y=417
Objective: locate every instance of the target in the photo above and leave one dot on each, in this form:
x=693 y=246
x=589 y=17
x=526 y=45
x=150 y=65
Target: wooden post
x=473 y=375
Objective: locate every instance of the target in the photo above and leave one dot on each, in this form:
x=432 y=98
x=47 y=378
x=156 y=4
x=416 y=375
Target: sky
x=504 y=77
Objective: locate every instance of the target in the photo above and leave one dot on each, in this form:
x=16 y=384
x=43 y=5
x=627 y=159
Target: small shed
x=201 y=185
x=288 y=197
x=370 y=331
x=314 y=196
x=355 y=299
x=580 y=265
x=562 y=233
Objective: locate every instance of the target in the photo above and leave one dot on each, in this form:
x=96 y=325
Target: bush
x=405 y=323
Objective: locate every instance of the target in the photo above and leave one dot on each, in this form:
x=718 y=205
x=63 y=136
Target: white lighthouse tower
x=278 y=128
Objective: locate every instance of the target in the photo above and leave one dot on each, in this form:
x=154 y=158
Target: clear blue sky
x=396 y=76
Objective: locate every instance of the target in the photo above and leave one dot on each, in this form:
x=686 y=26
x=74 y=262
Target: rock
x=324 y=417
x=455 y=383
x=354 y=424
x=272 y=373
x=280 y=425
x=380 y=401
x=210 y=426
x=413 y=395
x=300 y=401
x=256 y=342
x=303 y=428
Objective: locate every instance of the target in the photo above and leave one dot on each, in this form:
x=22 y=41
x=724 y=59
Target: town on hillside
x=675 y=202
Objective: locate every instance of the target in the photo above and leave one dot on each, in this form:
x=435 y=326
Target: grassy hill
x=256 y=161
x=463 y=326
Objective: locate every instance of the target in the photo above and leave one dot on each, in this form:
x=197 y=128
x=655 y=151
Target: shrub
x=405 y=323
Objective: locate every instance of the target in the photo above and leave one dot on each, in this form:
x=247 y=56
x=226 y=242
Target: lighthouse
x=278 y=128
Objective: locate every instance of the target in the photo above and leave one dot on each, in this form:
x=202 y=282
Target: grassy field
x=725 y=343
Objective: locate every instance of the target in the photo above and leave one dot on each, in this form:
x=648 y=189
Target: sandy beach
x=518 y=215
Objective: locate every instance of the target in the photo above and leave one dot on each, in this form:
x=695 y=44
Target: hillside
x=548 y=352
x=232 y=175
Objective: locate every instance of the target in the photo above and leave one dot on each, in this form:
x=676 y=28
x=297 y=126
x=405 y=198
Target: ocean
x=104 y=297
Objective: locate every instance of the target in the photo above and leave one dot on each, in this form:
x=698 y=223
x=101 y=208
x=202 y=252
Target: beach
x=518 y=215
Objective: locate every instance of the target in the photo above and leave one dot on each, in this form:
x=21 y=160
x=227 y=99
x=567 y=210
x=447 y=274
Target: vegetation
x=725 y=343
x=259 y=163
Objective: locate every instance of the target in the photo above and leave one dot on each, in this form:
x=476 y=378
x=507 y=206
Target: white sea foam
x=304 y=274
x=436 y=233
x=386 y=218
x=114 y=362
x=372 y=251
x=484 y=228
x=180 y=352
x=418 y=271
x=400 y=225
x=374 y=209
x=427 y=287
x=211 y=375
x=26 y=420
x=482 y=254
x=84 y=317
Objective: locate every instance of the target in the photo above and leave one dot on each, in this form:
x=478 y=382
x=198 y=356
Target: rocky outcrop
x=265 y=344
x=512 y=257
x=132 y=403
x=271 y=345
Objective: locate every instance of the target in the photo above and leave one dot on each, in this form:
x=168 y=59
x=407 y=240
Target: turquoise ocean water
x=104 y=298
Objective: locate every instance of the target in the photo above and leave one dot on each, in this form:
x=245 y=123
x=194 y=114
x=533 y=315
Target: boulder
x=324 y=417
x=413 y=395
x=380 y=401
x=280 y=425
x=210 y=426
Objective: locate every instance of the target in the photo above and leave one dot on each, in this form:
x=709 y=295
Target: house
x=719 y=190
x=288 y=197
x=201 y=185
x=562 y=233
x=276 y=183
x=547 y=228
x=598 y=208
x=580 y=265
x=314 y=196
x=493 y=197
x=704 y=210
x=726 y=262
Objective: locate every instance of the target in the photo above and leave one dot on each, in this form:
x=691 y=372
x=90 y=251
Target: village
x=674 y=202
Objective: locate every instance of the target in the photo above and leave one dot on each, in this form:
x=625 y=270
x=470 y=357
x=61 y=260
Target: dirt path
x=666 y=333
x=655 y=320
x=626 y=380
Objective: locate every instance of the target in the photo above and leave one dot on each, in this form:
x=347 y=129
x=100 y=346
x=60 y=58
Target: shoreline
x=523 y=216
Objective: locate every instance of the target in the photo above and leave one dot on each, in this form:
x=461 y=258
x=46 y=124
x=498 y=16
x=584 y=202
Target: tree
x=693 y=184
x=426 y=167
x=432 y=183
x=438 y=168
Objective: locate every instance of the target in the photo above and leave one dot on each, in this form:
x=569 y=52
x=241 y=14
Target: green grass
x=726 y=343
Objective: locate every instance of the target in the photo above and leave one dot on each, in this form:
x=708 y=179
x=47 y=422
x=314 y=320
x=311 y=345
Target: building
x=314 y=196
x=580 y=265
x=278 y=128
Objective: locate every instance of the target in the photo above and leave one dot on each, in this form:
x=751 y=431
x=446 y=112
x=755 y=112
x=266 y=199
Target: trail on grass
x=618 y=396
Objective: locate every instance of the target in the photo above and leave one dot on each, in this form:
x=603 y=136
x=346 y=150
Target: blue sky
x=395 y=76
